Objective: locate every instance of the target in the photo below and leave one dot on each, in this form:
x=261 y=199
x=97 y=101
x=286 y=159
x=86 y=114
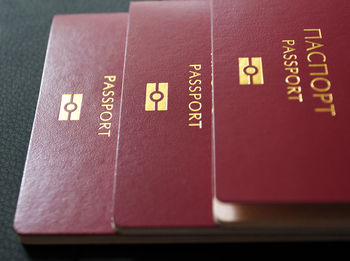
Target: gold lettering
x=324 y=97
x=105 y=125
x=107 y=101
x=196 y=96
x=317 y=61
x=195 y=82
x=109 y=116
x=289 y=42
x=108 y=93
x=294 y=82
x=293 y=70
x=195 y=116
x=195 y=89
x=288 y=49
x=289 y=57
x=199 y=124
x=316 y=53
x=108 y=133
x=108 y=107
x=194 y=74
x=197 y=67
x=314 y=45
x=325 y=69
x=111 y=78
x=299 y=97
x=199 y=106
x=295 y=90
x=291 y=65
x=320 y=89
x=108 y=85
x=104 y=100
x=318 y=34
x=330 y=109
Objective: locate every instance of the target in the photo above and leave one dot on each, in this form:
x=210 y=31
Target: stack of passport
x=192 y=121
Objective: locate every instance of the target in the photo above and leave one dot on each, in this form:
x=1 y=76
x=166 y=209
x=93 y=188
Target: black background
x=24 y=30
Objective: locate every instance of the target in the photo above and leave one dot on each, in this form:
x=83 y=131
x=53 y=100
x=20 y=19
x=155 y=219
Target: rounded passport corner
x=21 y=234
x=16 y=229
x=224 y=213
x=24 y=233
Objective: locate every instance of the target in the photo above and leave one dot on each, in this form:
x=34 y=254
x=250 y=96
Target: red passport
x=281 y=107
x=163 y=174
x=279 y=130
x=68 y=177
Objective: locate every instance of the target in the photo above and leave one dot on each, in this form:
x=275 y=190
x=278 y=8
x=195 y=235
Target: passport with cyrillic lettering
x=268 y=159
x=67 y=184
x=163 y=173
x=281 y=109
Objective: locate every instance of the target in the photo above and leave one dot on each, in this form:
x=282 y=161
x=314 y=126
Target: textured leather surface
x=270 y=148
x=164 y=165
x=23 y=45
x=22 y=50
x=68 y=177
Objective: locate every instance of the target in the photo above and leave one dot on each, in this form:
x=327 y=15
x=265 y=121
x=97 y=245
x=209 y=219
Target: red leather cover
x=68 y=177
x=163 y=176
x=285 y=136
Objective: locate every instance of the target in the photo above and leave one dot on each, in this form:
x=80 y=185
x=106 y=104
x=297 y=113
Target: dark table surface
x=24 y=30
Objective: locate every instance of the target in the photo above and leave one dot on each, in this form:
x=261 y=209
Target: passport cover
x=163 y=175
x=281 y=102
x=68 y=177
